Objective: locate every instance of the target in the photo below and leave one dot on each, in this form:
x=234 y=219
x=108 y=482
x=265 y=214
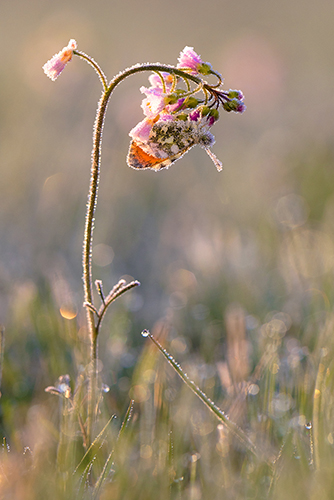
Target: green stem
x=2 y=351
x=317 y=415
x=87 y=258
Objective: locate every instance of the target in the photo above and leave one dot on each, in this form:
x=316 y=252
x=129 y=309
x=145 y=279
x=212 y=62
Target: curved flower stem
x=87 y=258
x=94 y=325
x=97 y=68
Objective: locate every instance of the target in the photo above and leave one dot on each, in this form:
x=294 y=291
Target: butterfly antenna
x=218 y=163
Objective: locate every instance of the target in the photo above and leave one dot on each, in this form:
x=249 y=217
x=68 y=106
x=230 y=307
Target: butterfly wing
x=139 y=159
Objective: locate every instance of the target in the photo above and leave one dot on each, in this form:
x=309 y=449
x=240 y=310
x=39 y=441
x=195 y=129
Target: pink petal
x=57 y=63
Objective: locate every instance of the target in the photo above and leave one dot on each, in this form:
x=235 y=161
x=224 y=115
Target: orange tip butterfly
x=168 y=142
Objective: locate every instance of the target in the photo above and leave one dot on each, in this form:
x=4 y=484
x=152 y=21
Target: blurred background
x=256 y=240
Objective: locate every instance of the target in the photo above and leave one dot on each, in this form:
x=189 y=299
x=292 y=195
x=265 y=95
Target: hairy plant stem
x=91 y=311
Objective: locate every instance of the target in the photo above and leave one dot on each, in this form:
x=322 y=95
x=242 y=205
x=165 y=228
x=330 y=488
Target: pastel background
x=257 y=237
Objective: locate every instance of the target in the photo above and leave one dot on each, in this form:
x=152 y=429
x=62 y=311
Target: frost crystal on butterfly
x=168 y=138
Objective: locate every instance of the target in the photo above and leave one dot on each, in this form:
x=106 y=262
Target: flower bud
x=205 y=69
x=205 y=110
x=57 y=63
x=182 y=116
x=191 y=102
x=171 y=99
x=214 y=113
x=234 y=105
x=195 y=115
x=235 y=94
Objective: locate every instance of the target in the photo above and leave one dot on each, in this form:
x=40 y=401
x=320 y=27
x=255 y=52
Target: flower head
x=156 y=81
x=57 y=63
x=177 y=119
x=157 y=100
x=234 y=101
x=190 y=60
x=154 y=102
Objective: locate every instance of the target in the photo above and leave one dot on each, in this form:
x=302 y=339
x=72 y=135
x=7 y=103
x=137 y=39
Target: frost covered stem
x=94 y=181
x=93 y=325
x=87 y=256
x=89 y=224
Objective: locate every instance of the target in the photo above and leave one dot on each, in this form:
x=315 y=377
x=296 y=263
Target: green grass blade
x=91 y=452
x=232 y=427
x=109 y=461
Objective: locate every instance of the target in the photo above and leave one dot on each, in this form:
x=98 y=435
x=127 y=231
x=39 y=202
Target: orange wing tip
x=138 y=159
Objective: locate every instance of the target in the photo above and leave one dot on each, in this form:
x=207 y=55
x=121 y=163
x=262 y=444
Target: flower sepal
x=234 y=105
x=205 y=69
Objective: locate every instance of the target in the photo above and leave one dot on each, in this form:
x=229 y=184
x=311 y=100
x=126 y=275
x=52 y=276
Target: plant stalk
x=93 y=325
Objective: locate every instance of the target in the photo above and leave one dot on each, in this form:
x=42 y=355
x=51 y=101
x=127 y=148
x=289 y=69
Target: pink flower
x=57 y=63
x=195 y=115
x=204 y=115
x=190 y=60
x=155 y=80
x=154 y=102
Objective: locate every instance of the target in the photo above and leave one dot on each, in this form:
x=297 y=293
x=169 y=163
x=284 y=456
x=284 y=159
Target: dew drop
x=308 y=426
x=145 y=333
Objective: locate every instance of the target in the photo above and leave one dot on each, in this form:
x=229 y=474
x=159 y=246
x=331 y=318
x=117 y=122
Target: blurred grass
x=236 y=268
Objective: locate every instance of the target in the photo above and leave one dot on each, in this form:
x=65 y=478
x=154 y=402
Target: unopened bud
x=205 y=69
x=205 y=110
x=182 y=116
x=171 y=99
x=234 y=105
x=214 y=113
x=191 y=102
x=235 y=94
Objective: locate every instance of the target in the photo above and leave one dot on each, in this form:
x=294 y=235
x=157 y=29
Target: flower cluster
x=177 y=119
